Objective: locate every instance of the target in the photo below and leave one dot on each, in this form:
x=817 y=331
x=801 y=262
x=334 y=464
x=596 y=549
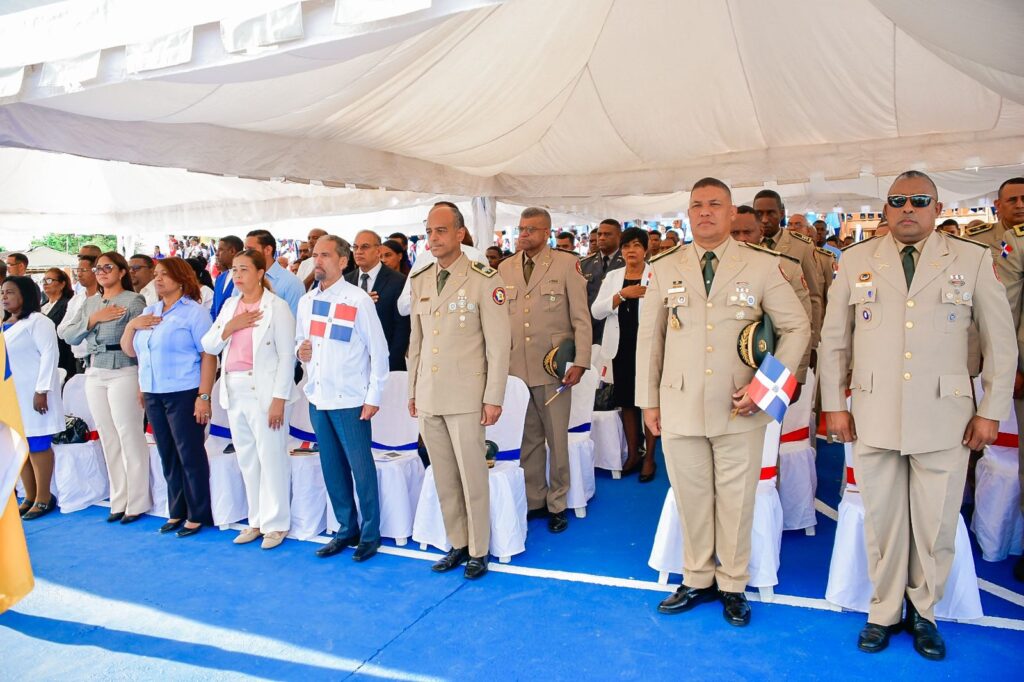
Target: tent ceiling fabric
x=571 y=100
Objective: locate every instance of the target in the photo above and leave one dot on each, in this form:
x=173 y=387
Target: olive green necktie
x=528 y=269
x=709 y=270
x=768 y=243
x=908 y=264
x=442 y=277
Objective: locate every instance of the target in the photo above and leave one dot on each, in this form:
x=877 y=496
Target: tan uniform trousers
x=455 y=443
x=715 y=483
x=911 y=509
x=546 y=484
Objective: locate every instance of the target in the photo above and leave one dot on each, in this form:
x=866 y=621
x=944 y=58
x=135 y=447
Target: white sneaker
x=273 y=539
x=247 y=535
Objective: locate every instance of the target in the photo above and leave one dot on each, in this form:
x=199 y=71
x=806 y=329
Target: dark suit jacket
x=389 y=285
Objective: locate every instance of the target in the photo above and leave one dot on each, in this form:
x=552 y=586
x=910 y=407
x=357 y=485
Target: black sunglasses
x=916 y=200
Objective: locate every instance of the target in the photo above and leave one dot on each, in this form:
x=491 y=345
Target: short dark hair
x=1011 y=181
x=712 y=182
x=20 y=257
x=91 y=260
x=3 y=269
x=744 y=209
x=949 y=222
x=634 y=234
x=142 y=257
x=264 y=238
x=593 y=230
x=770 y=194
x=613 y=222
x=566 y=235
x=916 y=175
x=395 y=246
x=234 y=242
x=460 y=222
x=30 y=295
x=821 y=222
x=654 y=232
x=832 y=238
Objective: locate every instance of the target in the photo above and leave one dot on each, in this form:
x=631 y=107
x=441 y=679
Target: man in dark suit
x=384 y=286
x=595 y=266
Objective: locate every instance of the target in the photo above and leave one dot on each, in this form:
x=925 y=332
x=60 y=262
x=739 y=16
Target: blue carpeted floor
x=118 y=602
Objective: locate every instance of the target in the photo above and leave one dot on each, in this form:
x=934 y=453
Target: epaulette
x=824 y=252
x=586 y=258
x=862 y=241
x=978 y=229
x=485 y=270
x=802 y=237
x=417 y=273
x=571 y=253
x=969 y=241
x=770 y=252
x=665 y=253
x=1018 y=230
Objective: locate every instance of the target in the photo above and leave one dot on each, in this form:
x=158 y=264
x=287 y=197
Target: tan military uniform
x=543 y=312
x=826 y=261
x=991 y=235
x=688 y=366
x=458 y=361
x=1011 y=272
x=801 y=247
x=792 y=273
x=911 y=396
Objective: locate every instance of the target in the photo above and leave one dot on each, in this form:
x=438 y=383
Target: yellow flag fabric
x=16 y=579
x=15 y=568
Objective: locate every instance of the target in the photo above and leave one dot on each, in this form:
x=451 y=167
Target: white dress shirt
x=79 y=350
x=149 y=293
x=343 y=373
x=374 y=271
x=305 y=269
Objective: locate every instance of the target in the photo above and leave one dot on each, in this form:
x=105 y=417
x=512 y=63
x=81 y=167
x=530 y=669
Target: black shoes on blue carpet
x=558 y=522
x=114 y=518
x=927 y=640
x=476 y=568
x=365 y=550
x=874 y=638
x=171 y=526
x=337 y=544
x=735 y=608
x=455 y=557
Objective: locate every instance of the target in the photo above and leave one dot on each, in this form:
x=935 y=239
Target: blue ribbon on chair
x=305 y=436
x=395 y=448
x=220 y=431
x=582 y=428
x=504 y=455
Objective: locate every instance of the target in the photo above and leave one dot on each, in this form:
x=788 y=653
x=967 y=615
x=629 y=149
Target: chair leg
x=581 y=513
x=809 y=532
x=504 y=559
x=767 y=594
x=401 y=542
x=616 y=475
x=663 y=577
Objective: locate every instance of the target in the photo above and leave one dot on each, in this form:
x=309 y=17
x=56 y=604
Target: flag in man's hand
x=773 y=387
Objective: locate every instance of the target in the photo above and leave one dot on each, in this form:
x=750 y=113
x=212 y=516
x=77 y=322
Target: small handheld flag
x=773 y=387
x=332 y=321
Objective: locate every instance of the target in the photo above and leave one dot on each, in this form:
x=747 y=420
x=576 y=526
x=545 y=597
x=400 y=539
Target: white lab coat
x=32 y=349
x=602 y=309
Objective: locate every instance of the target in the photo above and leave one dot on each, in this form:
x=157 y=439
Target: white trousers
x=113 y=398
x=262 y=455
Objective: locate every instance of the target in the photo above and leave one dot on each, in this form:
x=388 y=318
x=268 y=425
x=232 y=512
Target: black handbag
x=75 y=431
x=603 y=398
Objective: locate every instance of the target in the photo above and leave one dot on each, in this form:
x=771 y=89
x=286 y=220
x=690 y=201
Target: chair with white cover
x=609 y=438
x=227 y=488
x=997 y=522
x=79 y=470
x=309 y=502
x=766 y=532
x=507 y=484
x=581 y=448
x=798 y=477
x=849 y=584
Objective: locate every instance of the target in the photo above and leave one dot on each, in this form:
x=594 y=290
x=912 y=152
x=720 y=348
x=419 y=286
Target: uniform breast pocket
x=954 y=311
x=512 y=298
x=680 y=316
x=868 y=311
x=552 y=295
x=463 y=320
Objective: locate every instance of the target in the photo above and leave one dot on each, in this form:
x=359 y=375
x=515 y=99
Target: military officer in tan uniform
x=547 y=304
x=899 y=317
x=458 y=365
x=693 y=388
x=1010 y=266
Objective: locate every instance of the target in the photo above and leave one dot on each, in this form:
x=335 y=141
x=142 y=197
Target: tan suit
x=791 y=272
x=911 y=397
x=801 y=247
x=1011 y=272
x=690 y=372
x=550 y=308
x=991 y=235
x=458 y=361
x=826 y=261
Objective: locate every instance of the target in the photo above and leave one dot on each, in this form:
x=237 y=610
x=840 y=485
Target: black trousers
x=181 y=443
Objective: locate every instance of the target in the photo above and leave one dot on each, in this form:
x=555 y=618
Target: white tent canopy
x=573 y=100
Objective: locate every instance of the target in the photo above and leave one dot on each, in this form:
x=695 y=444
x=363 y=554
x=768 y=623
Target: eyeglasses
x=103 y=268
x=50 y=280
x=136 y=268
x=916 y=200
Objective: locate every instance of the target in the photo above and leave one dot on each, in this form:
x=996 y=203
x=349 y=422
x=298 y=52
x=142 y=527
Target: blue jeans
x=344 y=441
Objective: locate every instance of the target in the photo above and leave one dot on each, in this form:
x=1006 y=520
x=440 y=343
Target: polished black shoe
x=171 y=526
x=453 y=559
x=1018 y=569
x=38 y=509
x=129 y=518
x=927 y=640
x=685 y=598
x=336 y=545
x=541 y=513
x=476 y=568
x=735 y=608
x=365 y=550
x=874 y=638
x=557 y=523
x=186 y=531
x=114 y=518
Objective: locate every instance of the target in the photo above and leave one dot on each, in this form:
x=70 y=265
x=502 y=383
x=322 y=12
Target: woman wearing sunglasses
x=112 y=386
x=58 y=292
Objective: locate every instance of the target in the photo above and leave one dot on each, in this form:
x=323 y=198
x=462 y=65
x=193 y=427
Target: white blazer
x=272 y=344
x=602 y=310
x=32 y=348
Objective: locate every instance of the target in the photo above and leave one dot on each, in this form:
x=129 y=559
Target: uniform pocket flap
x=861 y=381
x=956 y=295
x=865 y=294
x=955 y=386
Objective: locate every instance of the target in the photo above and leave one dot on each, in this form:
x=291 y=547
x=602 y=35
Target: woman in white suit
x=618 y=304
x=254 y=337
x=31 y=340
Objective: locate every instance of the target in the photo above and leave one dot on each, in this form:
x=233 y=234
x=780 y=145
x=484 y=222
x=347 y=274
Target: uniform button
x=434 y=350
x=906 y=376
x=527 y=297
x=910 y=325
x=910 y=304
x=708 y=371
x=709 y=349
x=433 y=369
x=908 y=355
x=710 y=327
x=436 y=332
x=527 y=338
x=527 y=325
x=956 y=392
x=709 y=304
x=527 y=311
x=437 y=314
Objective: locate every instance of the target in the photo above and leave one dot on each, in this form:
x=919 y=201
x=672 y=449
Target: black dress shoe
x=39 y=509
x=557 y=523
x=365 y=550
x=453 y=559
x=114 y=518
x=186 y=531
x=476 y=567
x=874 y=638
x=735 y=608
x=927 y=640
x=685 y=598
x=171 y=526
x=1018 y=569
x=129 y=518
x=541 y=513
x=336 y=545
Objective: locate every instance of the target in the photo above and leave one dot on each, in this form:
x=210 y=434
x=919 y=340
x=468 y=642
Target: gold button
x=710 y=327
x=527 y=325
x=437 y=314
x=910 y=325
x=908 y=355
x=434 y=351
x=433 y=369
x=527 y=338
x=906 y=376
x=709 y=349
x=910 y=304
x=527 y=297
x=709 y=304
x=708 y=371
x=956 y=392
x=436 y=332
x=527 y=311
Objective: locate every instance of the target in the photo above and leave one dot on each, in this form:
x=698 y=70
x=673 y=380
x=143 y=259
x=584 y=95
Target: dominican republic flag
x=773 y=387
x=332 y=321
x=1006 y=250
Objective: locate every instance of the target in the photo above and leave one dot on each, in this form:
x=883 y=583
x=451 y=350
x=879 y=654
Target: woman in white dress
x=31 y=340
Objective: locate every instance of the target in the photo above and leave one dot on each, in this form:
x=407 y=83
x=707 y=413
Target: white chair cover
x=609 y=441
x=79 y=470
x=581 y=448
x=849 y=584
x=157 y=484
x=508 y=512
x=393 y=429
x=227 y=488
x=997 y=522
x=507 y=433
x=798 y=476
x=309 y=501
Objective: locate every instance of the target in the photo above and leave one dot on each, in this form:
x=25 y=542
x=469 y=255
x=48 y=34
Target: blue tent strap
x=304 y=436
x=395 y=448
x=582 y=428
x=220 y=431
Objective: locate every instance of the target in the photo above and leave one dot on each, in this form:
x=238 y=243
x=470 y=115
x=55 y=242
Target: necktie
x=528 y=269
x=364 y=282
x=908 y=264
x=604 y=259
x=769 y=243
x=442 y=277
x=709 y=270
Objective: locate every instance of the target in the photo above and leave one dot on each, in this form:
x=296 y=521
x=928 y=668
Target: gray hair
x=342 y=247
x=376 y=237
x=915 y=175
x=536 y=212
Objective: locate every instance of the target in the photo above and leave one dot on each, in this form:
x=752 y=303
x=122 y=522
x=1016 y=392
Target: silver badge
x=451 y=307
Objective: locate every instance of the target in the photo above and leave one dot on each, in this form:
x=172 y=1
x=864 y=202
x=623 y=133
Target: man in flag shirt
x=899 y=315
x=341 y=344
x=693 y=386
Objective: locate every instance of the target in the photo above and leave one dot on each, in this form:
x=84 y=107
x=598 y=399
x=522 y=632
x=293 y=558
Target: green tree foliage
x=70 y=243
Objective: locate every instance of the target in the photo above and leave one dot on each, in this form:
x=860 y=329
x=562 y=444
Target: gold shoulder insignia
x=979 y=229
x=417 y=273
x=802 y=237
x=824 y=252
x=571 y=253
x=485 y=270
x=1018 y=230
x=862 y=241
x=965 y=239
x=665 y=253
x=765 y=249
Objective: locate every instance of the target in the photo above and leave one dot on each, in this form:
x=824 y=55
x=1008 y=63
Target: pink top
x=240 y=352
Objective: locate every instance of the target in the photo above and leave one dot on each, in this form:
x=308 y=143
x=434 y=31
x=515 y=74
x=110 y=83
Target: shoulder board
x=978 y=229
x=1018 y=230
x=824 y=252
x=965 y=239
x=571 y=253
x=801 y=236
x=485 y=270
x=862 y=241
x=586 y=258
x=665 y=253
x=765 y=249
x=417 y=273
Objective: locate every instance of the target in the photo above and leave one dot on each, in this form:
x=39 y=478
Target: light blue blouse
x=169 y=353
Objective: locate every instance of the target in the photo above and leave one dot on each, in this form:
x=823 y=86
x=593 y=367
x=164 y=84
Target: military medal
x=957 y=280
